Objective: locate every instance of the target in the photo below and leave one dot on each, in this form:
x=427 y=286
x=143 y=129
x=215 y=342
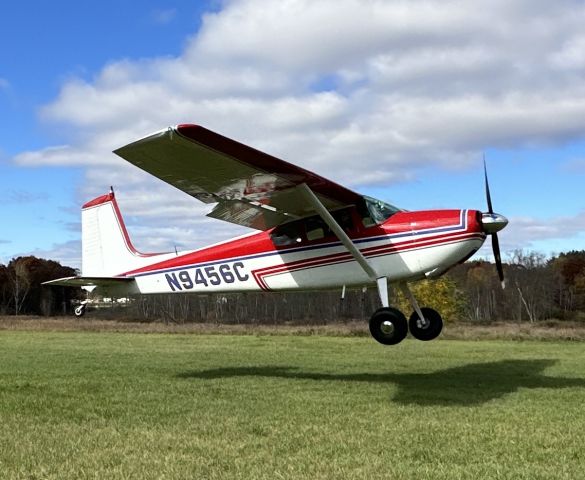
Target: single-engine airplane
x=313 y=233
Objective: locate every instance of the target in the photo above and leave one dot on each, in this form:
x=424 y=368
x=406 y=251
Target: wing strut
x=380 y=280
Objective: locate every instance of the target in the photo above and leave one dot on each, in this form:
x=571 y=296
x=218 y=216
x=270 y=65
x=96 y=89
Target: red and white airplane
x=313 y=233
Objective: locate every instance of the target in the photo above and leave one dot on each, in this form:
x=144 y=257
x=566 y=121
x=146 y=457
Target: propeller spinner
x=493 y=223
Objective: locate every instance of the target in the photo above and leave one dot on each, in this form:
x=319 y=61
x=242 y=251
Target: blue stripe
x=462 y=226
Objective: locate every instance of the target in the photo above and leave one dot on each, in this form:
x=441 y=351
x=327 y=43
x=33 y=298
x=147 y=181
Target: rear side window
x=287 y=234
x=316 y=228
x=345 y=220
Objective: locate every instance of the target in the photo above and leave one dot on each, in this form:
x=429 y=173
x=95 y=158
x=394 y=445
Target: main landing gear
x=389 y=326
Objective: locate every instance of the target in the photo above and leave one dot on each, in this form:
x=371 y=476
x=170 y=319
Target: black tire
x=388 y=326
x=431 y=330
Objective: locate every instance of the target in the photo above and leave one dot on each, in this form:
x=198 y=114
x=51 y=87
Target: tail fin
x=106 y=247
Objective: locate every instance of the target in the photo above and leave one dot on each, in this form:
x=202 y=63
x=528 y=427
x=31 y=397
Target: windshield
x=377 y=211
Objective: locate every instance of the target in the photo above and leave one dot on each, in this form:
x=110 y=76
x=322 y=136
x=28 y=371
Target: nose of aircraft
x=493 y=222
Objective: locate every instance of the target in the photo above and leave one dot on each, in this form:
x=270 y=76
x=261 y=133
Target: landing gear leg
x=82 y=308
x=382 y=284
x=424 y=323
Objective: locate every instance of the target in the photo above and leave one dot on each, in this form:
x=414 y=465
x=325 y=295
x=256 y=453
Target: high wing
x=251 y=188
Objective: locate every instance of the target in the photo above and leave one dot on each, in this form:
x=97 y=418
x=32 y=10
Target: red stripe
x=98 y=201
x=334 y=262
x=373 y=251
x=125 y=232
x=328 y=260
x=261 y=243
x=110 y=198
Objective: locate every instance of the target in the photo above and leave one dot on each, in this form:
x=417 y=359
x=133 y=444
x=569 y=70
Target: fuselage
x=304 y=254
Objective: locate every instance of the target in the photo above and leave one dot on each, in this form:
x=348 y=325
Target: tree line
x=537 y=288
x=22 y=292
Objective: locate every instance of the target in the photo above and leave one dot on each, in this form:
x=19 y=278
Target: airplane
x=312 y=233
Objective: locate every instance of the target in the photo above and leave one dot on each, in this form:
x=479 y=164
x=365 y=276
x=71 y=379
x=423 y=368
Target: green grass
x=113 y=405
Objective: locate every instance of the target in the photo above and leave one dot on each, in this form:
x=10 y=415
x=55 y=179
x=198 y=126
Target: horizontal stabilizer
x=91 y=282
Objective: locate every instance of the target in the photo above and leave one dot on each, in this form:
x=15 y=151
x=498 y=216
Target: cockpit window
x=287 y=234
x=316 y=228
x=344 y=219
x=376 y=211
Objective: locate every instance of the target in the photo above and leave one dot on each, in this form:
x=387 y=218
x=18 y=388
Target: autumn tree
x=569 y=269
x=4 y=290
x=531 y=287
x=441 y=294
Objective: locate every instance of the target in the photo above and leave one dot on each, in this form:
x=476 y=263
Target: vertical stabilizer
x=106 y=247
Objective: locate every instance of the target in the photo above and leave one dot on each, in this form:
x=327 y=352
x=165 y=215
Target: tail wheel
x=388 y=326
x=427 y=329
x=80 y=311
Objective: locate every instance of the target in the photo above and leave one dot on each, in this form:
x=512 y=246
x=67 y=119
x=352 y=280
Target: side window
x=287 y=234
x=316 y=228
x=343 y=217
x=367 y=221
x=365 y=215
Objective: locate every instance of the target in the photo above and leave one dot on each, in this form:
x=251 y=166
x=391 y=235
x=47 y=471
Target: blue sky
x=63 y=40
x=396 y=100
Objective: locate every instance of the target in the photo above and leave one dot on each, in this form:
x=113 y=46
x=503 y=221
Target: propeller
x=493 y=223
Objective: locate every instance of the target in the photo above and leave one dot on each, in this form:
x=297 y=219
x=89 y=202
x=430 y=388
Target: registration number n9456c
x=212 y=275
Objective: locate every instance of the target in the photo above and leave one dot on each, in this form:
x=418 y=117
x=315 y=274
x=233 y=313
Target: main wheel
x=388 y=326
x=80 y=311
x=428 y=329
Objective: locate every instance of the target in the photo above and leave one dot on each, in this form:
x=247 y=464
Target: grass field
x=128 y=405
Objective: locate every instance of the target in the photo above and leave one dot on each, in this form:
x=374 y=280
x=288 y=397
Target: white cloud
x=416 y=83
x=572 y=54
x=4 y=84
x=63 y=155
x=530 y=228
x=529 y=232
x=67 y=253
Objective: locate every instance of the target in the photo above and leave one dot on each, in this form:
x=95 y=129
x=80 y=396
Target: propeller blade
x=487 y=188
x=495 y=241
x=498 y=259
